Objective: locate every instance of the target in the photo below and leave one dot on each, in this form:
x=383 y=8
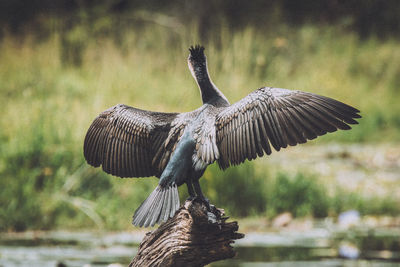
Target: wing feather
x=257 y=137
x=265 y=142
x=128 y=142
x=278 y=118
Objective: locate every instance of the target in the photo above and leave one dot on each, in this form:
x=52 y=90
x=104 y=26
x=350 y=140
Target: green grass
x=49 y=98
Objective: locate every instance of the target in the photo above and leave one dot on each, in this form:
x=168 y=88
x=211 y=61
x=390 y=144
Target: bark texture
x=193 y=237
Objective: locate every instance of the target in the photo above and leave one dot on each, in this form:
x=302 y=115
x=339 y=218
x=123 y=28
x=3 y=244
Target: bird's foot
x=212 y=212
x=212 y=217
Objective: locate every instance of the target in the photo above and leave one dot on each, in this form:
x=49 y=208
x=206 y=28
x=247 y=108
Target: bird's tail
x=162 y=204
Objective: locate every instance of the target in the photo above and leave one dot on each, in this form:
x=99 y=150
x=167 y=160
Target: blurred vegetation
x=366 y=18
x=253 y=193
x=57 y=74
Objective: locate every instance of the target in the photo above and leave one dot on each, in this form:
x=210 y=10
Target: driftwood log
x=193 y=237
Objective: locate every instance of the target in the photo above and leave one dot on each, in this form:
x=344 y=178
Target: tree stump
x=193 y=237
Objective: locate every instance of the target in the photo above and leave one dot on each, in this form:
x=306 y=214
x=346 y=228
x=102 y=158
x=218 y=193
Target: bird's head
x=197 y=61
x=197 y=54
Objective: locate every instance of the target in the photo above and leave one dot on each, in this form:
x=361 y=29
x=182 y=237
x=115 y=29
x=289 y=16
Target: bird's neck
x=209 y=92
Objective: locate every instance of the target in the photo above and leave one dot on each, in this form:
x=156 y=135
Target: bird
x=178 y=147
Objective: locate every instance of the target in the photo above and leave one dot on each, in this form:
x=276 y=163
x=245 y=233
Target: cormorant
x=178 y=147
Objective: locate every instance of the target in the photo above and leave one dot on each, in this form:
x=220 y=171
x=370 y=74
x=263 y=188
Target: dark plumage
x=197 y=53
x=178 y=147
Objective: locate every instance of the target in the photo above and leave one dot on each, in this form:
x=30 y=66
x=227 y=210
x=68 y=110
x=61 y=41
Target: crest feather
x=197 y=52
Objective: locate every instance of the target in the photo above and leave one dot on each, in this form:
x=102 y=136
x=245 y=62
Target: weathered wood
x=189 y=239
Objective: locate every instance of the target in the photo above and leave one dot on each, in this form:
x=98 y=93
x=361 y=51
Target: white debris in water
x=349 y=251
x=348 y=219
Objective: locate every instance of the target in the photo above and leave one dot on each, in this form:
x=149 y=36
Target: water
x=316 y=247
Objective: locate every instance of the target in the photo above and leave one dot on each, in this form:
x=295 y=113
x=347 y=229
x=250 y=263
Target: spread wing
x=277 y=117
x=125 y=141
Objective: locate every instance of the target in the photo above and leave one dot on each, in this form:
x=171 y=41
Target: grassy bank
x=51 y=90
